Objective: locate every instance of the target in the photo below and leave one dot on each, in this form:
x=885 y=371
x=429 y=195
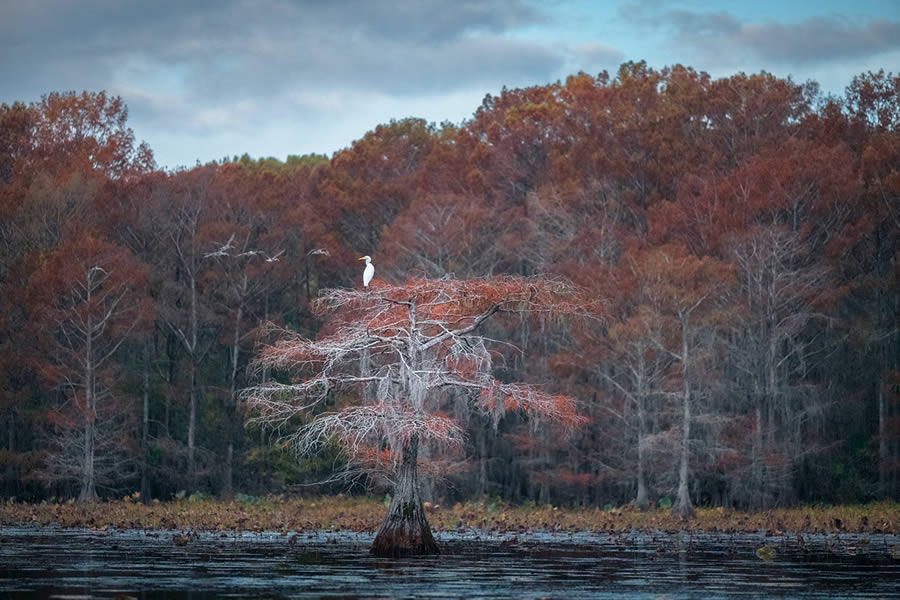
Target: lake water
x=57 y=563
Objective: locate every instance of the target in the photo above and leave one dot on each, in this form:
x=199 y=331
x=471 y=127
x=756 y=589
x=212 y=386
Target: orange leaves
x=90 y=278
x=375 y=459
x=873 y=100
x=451 y=303
x=440 y=428
x=678 y=280
x=498 y=398
x=794 y=185
x=86 y=132
x=562 y=476
x=401 y=346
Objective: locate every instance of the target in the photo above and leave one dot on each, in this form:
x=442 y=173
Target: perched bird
x=369 y=271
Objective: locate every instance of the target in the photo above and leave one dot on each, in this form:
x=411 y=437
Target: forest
x=739 y=239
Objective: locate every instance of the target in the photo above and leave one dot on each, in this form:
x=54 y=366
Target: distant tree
x=371 y=182
x=87 y=132
x=780 y=291
x=59 y=159
x=685 y=288
x=88 y=297
x=445 y=234
x=414 y=343
x=185 y=308
x=249 y=250
x=634 y=348
x=873 y=100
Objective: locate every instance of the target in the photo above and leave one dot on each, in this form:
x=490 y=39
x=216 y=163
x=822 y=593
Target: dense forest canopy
x=742 y=235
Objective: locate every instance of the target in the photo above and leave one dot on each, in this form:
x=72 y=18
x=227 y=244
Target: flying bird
x=222 y=251
x=369 y=271
x=274 y=258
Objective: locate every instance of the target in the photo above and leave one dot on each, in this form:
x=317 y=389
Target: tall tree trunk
x=883 y=455
x=642 y=501
x=88 y=489
x=172 y=358
x=306 y=278
x=883 y=325
x=192 y=419
x=231 y=409
x=683 y=506
x=11 y=426
x=405 y=530
x=482 y=462
x=775 y=476
x=757 y=498
x=192 y=423
x=145 y=426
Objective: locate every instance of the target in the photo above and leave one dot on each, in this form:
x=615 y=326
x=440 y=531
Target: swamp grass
x=364 y=514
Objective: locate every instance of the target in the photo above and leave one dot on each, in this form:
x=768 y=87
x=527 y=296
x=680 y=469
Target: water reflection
x=54 y=563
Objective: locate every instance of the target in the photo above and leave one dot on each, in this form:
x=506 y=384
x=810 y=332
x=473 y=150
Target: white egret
x=369 y=271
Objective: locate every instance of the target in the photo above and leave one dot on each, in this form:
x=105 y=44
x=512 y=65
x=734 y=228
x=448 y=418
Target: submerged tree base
x=395 y=540
x=405 y=530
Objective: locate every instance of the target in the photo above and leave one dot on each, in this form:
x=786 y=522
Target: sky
x=207 y=79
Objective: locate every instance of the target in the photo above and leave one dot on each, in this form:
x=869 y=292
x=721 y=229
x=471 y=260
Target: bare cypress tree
x=88 y=293
x=422 y=340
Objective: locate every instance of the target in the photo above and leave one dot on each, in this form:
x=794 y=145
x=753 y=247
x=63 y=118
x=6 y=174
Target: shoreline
x=364 y=514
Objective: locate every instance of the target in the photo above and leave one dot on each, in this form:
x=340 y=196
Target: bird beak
x=361 y=258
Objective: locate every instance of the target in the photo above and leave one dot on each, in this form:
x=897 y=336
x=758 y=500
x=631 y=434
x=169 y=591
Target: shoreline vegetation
x=365 y=513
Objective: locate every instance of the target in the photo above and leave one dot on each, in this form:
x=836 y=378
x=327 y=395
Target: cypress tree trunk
x=145 y=427
x=405 y=531
x=883 y=455
x=192 y=418
x=232 y=426
x=642 y=502
x=88 y=490
x=757 y=495
x=192 y=423
x=683 y=506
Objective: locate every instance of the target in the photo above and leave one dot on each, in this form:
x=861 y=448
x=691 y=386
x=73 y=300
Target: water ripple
x=49 y=562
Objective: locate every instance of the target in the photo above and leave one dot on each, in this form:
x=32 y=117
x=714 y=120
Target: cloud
x=717 y=38
x=820 y=39
x=198 y=67
x=209 y=53
x=398 y=47
x=215 y=70
x=593 y=58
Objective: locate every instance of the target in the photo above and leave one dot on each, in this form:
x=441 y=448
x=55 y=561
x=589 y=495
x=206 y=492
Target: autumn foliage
x=411 y=346
x=733 y=338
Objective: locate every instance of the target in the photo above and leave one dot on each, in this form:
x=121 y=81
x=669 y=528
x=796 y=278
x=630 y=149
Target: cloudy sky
x=210 y=78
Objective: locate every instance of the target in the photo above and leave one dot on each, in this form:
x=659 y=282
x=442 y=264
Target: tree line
x=739 y=237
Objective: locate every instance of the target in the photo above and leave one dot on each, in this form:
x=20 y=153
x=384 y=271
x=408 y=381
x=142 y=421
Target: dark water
x=48 y=563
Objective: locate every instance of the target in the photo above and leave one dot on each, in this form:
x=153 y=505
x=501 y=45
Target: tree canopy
x=737 y=237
